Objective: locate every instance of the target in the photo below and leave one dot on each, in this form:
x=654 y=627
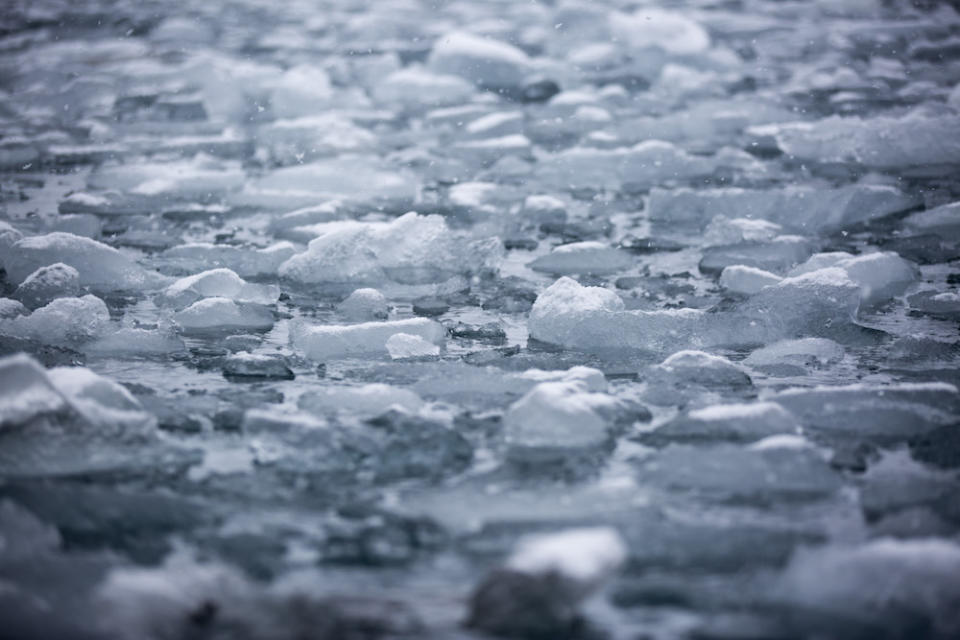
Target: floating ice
x=405 y=345
x=582 y=257
x=735 y=422
x=195 y=257
x=670 y=31
x=583 y=557
x=705 y=369
x=301 y=91
x=26 y=392
x=47 y=283
x=853 y=584
x=10 y=308
x=136 y=342
x=555 y=419
x=223 y=315
x=883 y=413
x=102 y=402
x=797 y=208
x=364 y=304
x=482 y=61
x=795 y=357
x=880 y=275
x=325 y=342
x=745 y=280
x=416 y=88
x=779 y=254
x=63 y=321
x=412 y=249
x=256 y=366
x=99 y=267
x=367 y=400
x=217 y=283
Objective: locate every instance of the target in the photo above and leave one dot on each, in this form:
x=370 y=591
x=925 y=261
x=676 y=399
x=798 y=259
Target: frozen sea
x=466 y=319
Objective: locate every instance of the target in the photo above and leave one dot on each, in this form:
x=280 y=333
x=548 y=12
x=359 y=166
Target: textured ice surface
x=406 y=319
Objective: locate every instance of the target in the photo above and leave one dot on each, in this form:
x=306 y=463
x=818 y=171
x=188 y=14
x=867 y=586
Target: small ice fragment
x=217 y=283
x=744 y=280
x=62 y=321
x=368 y=400
x=26 y=392
x=483 y=61
x=364 y=304
x=705 y=369
x=104 y=403
x=584 y=557
x=405 y=345
x=257 y=367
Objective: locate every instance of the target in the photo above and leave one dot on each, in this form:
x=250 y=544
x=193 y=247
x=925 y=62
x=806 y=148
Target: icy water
x=467 y=319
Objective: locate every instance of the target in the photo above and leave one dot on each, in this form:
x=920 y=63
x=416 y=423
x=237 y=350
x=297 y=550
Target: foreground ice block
x=104 y=403
x=744 y=280
x=364 y=304
x=324 y=342
x=884 y=587
x=880 y=275
x=733 y=422
x=48 y=283
x=99 y=266
x=26 y=392
x=407 y=345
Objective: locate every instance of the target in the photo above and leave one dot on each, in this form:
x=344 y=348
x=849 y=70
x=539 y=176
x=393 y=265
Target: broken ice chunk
x=99 y=267
x=779 y=254
x=63 y=321
x=649 y=28
x=48 y=283
x=412 y=249
x=743 y=280
x=194 y=257
x=223 y=315
x=485 y=62
x=405 y=345
x=367 y=400
x=730 y=472
x=880 y=275
x=255 y=366
x=141 y=342
x=724 y=230
x=26 y=392
x=705 y=369
x=301 y=91
x=557 y=419
x=735 y=422
x=538 y=592
x=880 y=413
x=794 y=357
x=943 y=220
x=415 y=88
x=911 y=143
x=10 y=308
x=582 y=257
x=186 y=179
x=572 y=315
x=882 y=588
x=104 y=403
x=217 y=283
x=324 y=342
x=803 y=209
x=364 y=304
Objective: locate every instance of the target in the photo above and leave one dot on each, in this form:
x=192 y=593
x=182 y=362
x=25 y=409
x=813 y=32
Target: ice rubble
x=48 y=283
x=99 y=266
x=406 y=345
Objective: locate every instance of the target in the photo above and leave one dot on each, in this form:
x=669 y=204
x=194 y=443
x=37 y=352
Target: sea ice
x=366 y=400
x=324 y=342
x=415 y=88
x=485 y=62
x=406 y=345
x=411 y=249
x=583 y=257
x=103 y=403
x=99 y=267
x=48 y=283
x=795 y=357
x=26 y=392
x=880 y=275
x=246 y=262
x=64 y=321
x=704 y=369
x=217 y=283
x=223 y=315
x=734 y=422
x=364 y=305
x=744 y=280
